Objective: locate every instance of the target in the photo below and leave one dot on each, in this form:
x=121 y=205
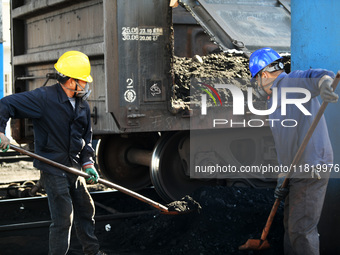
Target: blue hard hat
x=261 y=58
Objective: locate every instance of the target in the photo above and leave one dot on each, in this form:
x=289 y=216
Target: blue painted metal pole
x=316 y=44
x=1 y=70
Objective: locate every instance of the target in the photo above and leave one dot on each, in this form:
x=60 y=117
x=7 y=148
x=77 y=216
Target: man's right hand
x=91 y=170
x=326 y=92
x=4 y=142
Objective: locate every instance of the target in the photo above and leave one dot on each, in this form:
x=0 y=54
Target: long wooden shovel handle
x=298 y=157
x=140 y=197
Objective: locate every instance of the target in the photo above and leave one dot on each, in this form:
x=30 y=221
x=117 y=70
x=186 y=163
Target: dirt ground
x=18 y=172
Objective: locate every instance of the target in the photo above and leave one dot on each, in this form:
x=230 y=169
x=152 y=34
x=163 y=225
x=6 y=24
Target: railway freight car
x=149 y=131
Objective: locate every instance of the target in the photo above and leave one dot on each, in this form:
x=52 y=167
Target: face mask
x=84 y=93
x=259 y=91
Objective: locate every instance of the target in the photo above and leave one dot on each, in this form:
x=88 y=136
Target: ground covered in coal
x=229 y=217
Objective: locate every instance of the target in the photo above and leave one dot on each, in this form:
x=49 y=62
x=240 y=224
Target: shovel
x=187 y=204
x=262 y=244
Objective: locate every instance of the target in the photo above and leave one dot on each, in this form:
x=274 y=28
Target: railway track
x=13 y=156
x=24 y=222
x=25 y=219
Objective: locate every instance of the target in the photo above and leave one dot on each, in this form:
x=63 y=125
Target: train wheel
x=113 y=162
x=170 y=167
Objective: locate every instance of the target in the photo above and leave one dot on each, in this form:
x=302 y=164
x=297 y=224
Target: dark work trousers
x=69 y=199
x=302 y=210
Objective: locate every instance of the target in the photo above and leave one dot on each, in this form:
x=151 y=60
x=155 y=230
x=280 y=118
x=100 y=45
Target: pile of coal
x=222 y=68
x=211 y=69
x=228 y=218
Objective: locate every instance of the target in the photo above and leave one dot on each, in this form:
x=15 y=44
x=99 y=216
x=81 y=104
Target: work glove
x=280 y=192
x=91 y=170
x=326 y=92
x=4 y=142
x=315 y=174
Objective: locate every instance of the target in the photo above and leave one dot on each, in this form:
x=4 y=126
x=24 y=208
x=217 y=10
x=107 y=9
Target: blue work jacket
x=61 y=133
x=288 y=139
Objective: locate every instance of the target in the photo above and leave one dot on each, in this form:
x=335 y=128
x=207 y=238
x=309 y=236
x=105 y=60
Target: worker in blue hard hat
x=305 y=194
x=62 y=133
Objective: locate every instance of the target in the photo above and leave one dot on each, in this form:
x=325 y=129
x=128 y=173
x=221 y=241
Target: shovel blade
x=255 y=244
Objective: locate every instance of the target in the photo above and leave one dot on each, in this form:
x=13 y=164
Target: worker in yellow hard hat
x=74 y=65
x=62 y=132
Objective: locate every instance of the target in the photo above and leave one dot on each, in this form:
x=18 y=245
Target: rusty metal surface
x=42 y=34
x=189 y=37
x=138 y=67
x=243 y=25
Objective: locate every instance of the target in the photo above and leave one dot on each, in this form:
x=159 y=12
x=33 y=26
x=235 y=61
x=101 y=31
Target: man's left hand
x=280 y=192
x=91 y=170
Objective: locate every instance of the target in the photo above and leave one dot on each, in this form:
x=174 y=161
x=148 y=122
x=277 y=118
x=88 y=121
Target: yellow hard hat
x=74 y=64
